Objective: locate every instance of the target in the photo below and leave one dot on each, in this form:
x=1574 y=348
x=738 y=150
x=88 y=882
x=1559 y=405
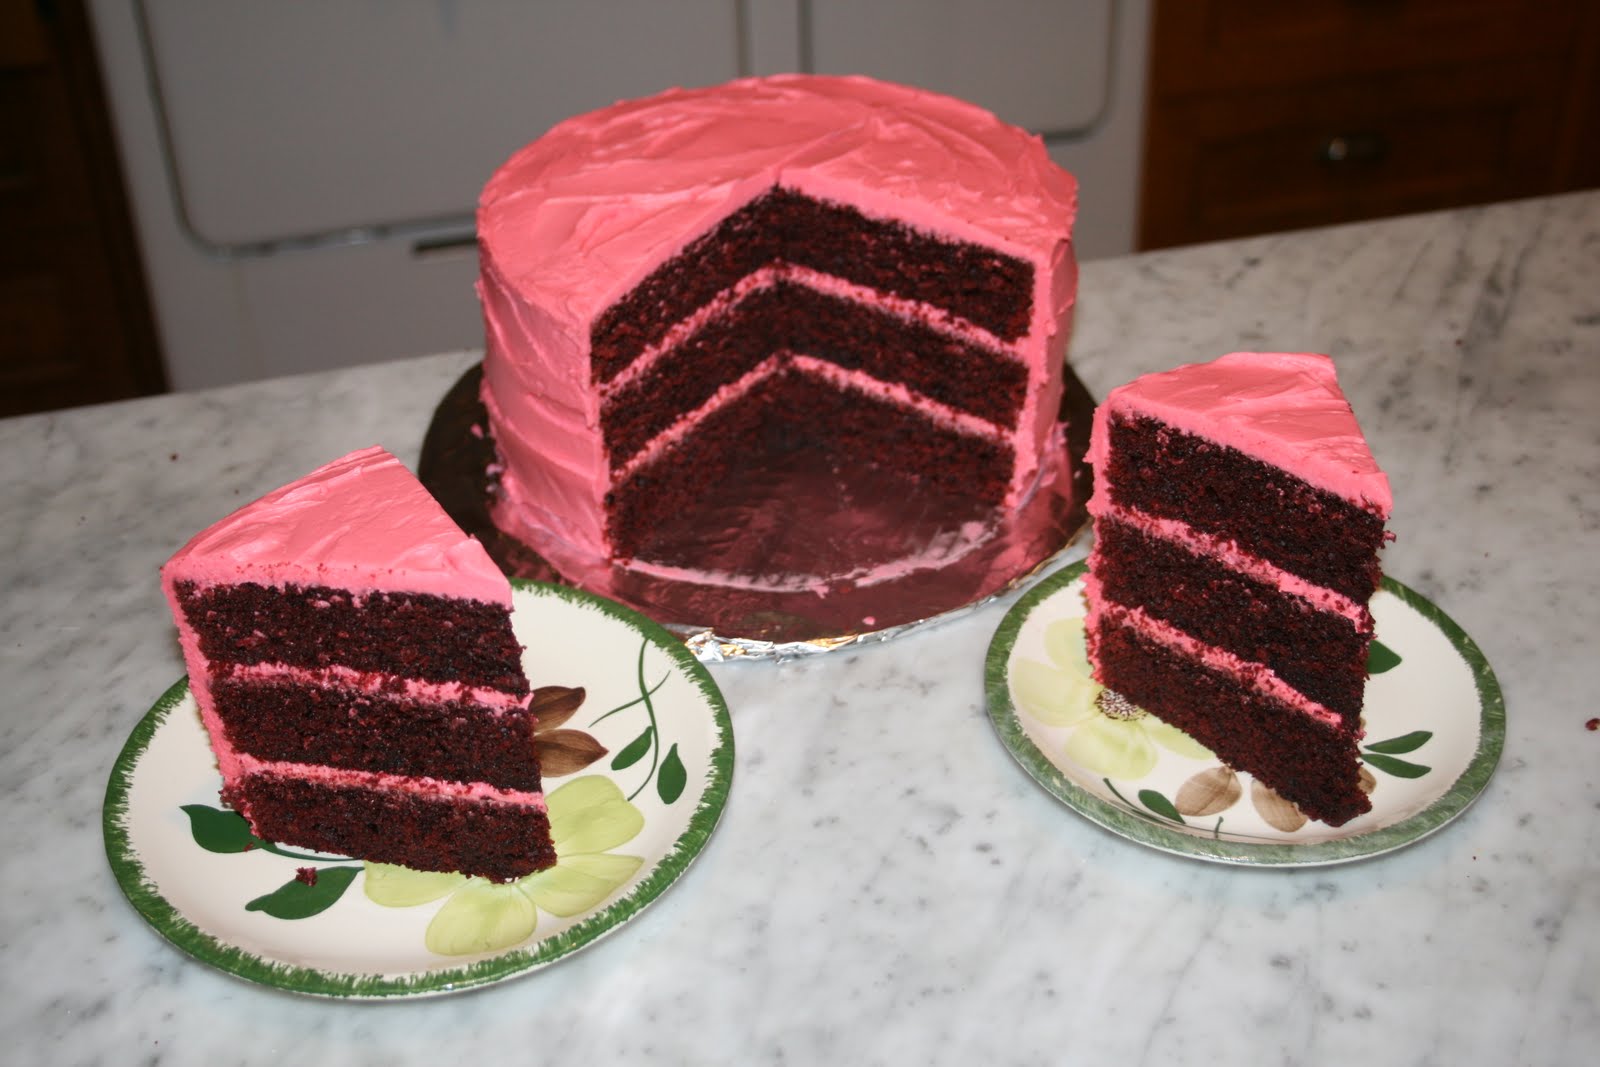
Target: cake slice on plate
x=352 y=655
x=1238 y=515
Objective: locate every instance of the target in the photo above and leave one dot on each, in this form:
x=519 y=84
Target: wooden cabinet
x=75 y=324
x=1264 y=116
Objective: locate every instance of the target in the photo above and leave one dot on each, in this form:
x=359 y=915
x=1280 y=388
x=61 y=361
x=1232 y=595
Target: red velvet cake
x=352 y=655
x=680 y=289
x=1238 y=515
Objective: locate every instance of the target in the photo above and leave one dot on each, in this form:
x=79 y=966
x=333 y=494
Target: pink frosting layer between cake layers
x=393 y=783
x=1257 y=676
x=362 y=523
x=767 y=277
x=233 y=764
x=579 y=217
x=368 y=682
x=1283 y=408
x=1230 y=555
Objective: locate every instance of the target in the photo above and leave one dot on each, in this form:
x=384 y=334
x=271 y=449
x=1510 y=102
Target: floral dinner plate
x=1435 y=725
x=636 y=748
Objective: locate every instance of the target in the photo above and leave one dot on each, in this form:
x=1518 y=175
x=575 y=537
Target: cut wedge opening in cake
x=353 y=659
x=1238 y=516
x=842 y=369
x=829 y=297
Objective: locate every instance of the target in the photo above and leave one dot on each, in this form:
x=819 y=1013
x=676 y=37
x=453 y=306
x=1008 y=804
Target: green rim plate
x=1435 y=727
x=649 y=703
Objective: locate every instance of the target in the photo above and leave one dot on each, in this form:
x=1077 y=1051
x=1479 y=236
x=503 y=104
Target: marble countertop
x=886 y=885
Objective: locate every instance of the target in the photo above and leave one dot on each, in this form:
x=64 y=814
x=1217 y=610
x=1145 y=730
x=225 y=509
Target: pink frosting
x=765 y=277
x=1284 y=408
x=1231 y=555
x=579 y=217
x=392 y=783
x=362 y=523
x=493 y=701
x=1247 y=673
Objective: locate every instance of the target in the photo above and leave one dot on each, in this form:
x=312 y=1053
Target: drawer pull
x=1351 y=149
x=445 y=243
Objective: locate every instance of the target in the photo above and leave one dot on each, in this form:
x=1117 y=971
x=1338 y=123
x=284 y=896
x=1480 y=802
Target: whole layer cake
x=1238 y=515
x=697 y=288
x=352 y=656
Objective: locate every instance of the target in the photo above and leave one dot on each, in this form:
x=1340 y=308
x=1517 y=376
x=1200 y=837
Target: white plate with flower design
x=1435 y=725
x=636 y=748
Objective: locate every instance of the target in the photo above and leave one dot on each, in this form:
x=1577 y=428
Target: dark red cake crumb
x=1592 y=724
x=501 y=842
x=786 y=318
x=793 y=420
x=379 y=729
x=1308 y=763
x=315 y=626
x=1226 y=494
x=1210 y=601
x=991 y=290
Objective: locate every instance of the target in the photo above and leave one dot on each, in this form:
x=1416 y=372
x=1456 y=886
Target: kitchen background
x=201 y=192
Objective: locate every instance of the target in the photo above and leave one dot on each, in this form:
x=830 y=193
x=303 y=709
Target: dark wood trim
x=1264 y=116
x=72 y=271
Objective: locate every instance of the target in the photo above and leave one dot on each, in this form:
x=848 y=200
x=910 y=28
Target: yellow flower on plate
x=1110 y=736
x=588 y=817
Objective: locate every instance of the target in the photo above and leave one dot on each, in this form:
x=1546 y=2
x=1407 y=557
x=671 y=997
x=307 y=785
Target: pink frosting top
x=585 y=212
x=363 y=522
x=1284 y=408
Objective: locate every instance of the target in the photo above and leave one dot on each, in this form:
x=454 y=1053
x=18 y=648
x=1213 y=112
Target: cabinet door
x=293 y=121
x=1043 y=66
x=1225 y=165
x=75 y=326
x=1265 y=116
x=1216 y=45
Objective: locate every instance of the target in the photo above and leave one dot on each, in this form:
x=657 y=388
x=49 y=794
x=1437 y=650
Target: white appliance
x=303 y=176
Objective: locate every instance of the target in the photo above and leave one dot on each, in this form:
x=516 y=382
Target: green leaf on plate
x=392 y=886
x=1398 y=767
x=1404 y=743
x=580 y=882
x=296 y=899
x=216 y=830
x=635 y=750
x=1160 y=805
x=481 y=916
x=1380 y=658
x=672 y=778
x=590 y=814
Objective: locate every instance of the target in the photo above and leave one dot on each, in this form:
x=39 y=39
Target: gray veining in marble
x=886 y=885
